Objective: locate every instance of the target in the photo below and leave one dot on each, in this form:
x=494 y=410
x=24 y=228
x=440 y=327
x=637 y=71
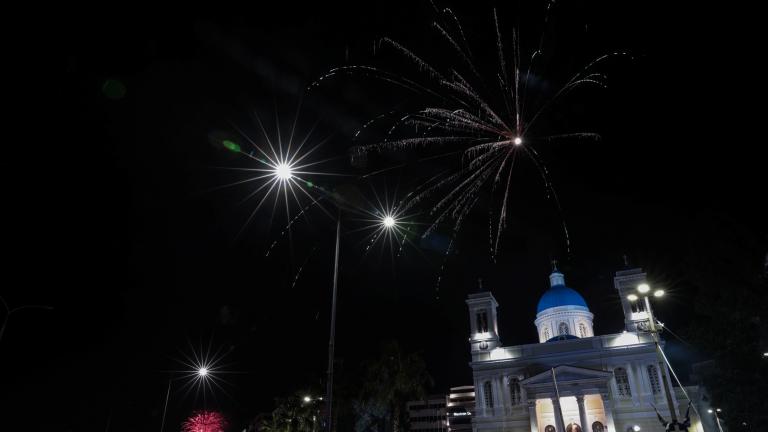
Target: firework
x=204 y=421
x=493 y=124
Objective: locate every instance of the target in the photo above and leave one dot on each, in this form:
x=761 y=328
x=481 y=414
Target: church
x=573 y=379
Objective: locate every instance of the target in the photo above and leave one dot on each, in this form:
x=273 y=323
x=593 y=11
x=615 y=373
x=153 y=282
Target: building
x=427 y=415
x=605 y=383
x=451 y=412
x=460 y=407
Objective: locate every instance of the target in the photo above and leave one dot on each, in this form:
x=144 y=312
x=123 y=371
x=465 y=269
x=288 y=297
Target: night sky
x=108 y=214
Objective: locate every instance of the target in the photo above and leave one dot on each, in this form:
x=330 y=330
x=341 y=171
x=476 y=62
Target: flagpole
x=559 y=407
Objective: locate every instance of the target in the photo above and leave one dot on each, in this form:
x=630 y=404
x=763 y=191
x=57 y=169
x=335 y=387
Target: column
x=608 y=408
x=532 y=414
x=559 y=423
x=582 y=413
x=634 y=384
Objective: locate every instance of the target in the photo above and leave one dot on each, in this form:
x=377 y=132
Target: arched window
x=546 y=336
x=598 y=427
x=582 y=330
x=482 y=322
x=549 y=428
x=622 y=382
x=563 y=329
x=515 y=395
x=573 y=427
x=487 y=394
x=653 y=376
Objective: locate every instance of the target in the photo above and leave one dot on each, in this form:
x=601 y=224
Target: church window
x=487 y=395
x=482 y=322
x=653 y=375
x=573 y=427
x=545 y=334
x=622 y=382
x=598 y=427
x=515 y=395
x=563 y=329
x=549 y=428
x=582 y=330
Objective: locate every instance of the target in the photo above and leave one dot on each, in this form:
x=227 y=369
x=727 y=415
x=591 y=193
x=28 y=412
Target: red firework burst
x=204 y=421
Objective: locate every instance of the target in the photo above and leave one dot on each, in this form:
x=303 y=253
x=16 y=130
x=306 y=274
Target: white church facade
x=605 y=383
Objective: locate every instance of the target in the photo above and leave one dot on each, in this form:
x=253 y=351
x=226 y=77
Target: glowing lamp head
x=632 y=297
x=636 y=428
x=518 y=141
x=658 y=293
x=203 y=371
x=765 y=354
x=710 y=411
x=388 y=221
x=643 y=288
x=307 y=399
x=718 y=410
x=283 y=171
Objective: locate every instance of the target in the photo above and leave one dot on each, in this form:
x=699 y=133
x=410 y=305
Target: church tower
x=483 y=322
x=562 y=312
x=626 y=282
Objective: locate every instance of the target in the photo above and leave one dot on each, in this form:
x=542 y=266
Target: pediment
x=566 y=374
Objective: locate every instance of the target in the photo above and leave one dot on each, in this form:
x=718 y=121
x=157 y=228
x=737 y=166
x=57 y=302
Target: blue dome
x=560 y=295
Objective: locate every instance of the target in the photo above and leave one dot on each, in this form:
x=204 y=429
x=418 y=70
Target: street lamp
x=387 y=222
x=9 y=311
x=717 y=417
x=644 y=291
x=200 y=374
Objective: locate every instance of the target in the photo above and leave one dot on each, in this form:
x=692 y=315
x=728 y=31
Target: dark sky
x=107 y=216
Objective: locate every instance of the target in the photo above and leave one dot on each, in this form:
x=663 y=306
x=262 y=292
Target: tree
x=292 y=414
x=727 y=265
x=391 y=380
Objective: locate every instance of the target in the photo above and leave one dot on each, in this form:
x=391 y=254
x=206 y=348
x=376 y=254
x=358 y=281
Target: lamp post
x=10 y=311
x=716 y=412
x=202 y=373
x=644 y=290
x=388 y=222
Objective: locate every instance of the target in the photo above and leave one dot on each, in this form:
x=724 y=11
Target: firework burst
x=204 y=421
x=493 y=124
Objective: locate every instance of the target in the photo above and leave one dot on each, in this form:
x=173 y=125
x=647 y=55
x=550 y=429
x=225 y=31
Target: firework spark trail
x=301 y=267
x=487 y=138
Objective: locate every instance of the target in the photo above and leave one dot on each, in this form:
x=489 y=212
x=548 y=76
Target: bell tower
x=483 y=323
x=626 y=282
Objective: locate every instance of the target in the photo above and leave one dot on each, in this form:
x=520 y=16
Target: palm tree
x=393 y=379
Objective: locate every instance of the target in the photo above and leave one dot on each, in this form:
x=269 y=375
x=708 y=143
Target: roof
x=560 y=295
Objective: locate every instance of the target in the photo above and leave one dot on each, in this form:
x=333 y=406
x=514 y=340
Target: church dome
x=560 y=295
x=562 y=313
